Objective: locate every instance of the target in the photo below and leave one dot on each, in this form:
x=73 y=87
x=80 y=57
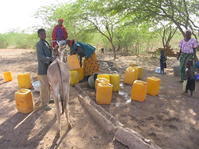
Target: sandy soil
x=171 y=119
x=37 y=130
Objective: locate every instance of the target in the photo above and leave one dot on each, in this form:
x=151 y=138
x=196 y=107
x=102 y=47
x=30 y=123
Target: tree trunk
x=114 y=52
x=114 y=49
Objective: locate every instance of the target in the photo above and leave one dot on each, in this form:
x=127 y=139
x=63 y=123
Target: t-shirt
x=188 y=46
x=88 y=50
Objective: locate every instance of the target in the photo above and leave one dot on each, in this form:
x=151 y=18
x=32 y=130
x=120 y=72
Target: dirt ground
x=171 y=119
x=37 y=130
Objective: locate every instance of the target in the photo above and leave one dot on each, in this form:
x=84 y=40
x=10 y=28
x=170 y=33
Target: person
x=190 y=77
x=44 y=57
x=87 y=51
x=187 y=51
x=59 y=33
x=163 y=63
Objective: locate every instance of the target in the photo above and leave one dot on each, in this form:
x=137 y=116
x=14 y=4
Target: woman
x=59 y=33
x=87 y=51
x=187 y=52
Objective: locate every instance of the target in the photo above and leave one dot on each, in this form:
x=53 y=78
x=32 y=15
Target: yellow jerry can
x=106 y=76
x=24 y=80
x=74 y=77
x=73 y=62
x=130 y=75
x=104 y=93
x=140 y=72
x=139 y=90
x=115 y=81
x=80 y=73
x=24 y=102
x=7 y=76
x=101 y=80
x=153 y=87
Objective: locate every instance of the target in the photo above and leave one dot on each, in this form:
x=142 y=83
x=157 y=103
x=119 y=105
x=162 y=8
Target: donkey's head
x=63 y=49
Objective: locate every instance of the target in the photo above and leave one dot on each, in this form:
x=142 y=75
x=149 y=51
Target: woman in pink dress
x=187 y=52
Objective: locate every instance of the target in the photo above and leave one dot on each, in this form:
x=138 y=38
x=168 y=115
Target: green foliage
x=3 y=41
x=181 y=13
x=17 y=40
x=124 y=26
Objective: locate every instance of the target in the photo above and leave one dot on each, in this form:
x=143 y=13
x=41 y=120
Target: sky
x=18 y=15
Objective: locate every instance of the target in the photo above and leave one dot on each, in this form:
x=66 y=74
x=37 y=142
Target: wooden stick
x=133 y=140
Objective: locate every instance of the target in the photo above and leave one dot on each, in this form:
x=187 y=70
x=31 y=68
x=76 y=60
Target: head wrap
x=188 y=30
x=61 y=20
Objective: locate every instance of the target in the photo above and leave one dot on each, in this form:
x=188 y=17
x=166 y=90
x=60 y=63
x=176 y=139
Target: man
x=59 y=33
x=44 y=57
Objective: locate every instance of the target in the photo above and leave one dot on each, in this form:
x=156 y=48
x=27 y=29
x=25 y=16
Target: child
x=190 y=77
x=102 y=50
x=162 y=61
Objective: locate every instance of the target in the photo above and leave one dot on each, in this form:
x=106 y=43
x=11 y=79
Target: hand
x=52 y=59
x=56 y=47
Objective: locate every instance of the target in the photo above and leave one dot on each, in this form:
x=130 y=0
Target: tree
x=167 y=33
x=178 y=12
x=95 y=15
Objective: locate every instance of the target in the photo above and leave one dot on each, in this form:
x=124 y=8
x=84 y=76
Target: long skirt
x=90 y=65
x=184 y=57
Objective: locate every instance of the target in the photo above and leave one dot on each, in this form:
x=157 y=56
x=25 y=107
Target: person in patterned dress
x=86 y=51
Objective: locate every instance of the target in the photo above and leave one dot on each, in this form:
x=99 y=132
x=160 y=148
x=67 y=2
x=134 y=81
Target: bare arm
x=178 y=56
x=80 y=57
x=80 y=52
x=195 y=54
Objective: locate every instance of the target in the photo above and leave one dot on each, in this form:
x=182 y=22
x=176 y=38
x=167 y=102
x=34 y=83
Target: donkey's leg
x=66 y=100
x=56 y=100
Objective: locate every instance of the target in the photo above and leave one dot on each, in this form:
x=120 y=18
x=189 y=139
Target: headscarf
x=61 y=20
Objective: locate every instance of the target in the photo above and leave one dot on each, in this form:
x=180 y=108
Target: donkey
x=58 y=78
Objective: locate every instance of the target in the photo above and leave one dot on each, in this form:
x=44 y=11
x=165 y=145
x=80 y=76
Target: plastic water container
x=115 y=81
x=24 y=80
x=153 y=86
x=140 y=71
x=36 y=86
x=130 y=75
x=73 y=62
x=24 y=102
x=104 y=93
x=157 y=70
x=197 y=77
x=139 y=90
x=7 y=76
x=74 y=77
x=106 y=76
x=101 y=80
x=80 y=73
